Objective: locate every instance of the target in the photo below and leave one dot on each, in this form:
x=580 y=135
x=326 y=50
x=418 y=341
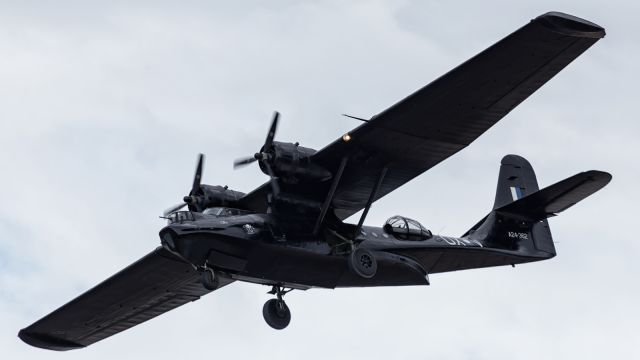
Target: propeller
x=173 y=209
x=265 y=155
x=192 y=200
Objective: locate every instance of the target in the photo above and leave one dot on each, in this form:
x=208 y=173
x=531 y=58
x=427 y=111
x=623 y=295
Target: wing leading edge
x=153 y=285
x=447 y=115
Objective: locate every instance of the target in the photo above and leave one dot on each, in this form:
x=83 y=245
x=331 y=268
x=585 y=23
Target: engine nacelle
x=291 y=163
x=220 y=196
x=211 y=196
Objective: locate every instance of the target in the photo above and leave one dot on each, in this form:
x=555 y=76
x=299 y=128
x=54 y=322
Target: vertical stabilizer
x=516 y=180
x=498 y=229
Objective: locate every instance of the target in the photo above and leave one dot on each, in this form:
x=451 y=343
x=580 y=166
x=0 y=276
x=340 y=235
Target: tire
x=363 y=263
x=276 y=313
x=209 y=280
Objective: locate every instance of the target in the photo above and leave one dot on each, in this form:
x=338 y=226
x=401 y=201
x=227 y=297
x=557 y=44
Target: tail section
x=518 y=219
x=515 y=181
x=558 y=197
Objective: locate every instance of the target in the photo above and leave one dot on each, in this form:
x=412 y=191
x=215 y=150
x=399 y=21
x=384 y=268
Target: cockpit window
x=406 y=229
x=212 y=211
x=414 y=225
x=223 y=211
x=397 y=222
x=180 y=217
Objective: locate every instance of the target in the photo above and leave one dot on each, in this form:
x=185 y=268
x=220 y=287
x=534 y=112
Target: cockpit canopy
x=224 y=211
x=406 y=229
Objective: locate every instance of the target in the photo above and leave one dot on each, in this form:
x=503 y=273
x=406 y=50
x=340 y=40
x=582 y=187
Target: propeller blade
x=243 y=161
x=274 y=182
x=272 y=131
x=173 y=209
x=198 y=176
x=265 y=155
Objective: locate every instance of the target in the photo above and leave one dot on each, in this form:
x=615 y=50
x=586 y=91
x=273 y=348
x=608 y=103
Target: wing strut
x=372 y=196
x=332 y=190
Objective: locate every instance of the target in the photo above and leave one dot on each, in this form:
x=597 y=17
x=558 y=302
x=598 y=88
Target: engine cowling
x=213 y=195
x=292 y=163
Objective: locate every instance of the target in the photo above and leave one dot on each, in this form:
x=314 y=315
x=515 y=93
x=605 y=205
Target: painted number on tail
x=518 y=235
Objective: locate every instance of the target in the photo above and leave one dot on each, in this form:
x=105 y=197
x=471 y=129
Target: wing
x=445 y=116
x=153 y=285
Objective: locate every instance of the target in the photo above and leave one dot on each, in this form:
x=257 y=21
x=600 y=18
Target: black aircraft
x=289 y=233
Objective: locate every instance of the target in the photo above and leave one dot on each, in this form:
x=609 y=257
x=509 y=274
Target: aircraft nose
x=168 y=239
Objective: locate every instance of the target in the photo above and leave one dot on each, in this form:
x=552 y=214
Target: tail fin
x=515 y=181
x=518 y=219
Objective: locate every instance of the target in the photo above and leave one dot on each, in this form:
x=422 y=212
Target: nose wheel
x=275 y=311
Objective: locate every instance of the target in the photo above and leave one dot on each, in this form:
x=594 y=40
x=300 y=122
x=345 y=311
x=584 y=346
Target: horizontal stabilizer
x=557 y=197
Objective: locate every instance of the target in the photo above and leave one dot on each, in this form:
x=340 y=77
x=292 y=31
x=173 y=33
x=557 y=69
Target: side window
x=397 y=226
x=414 y=227
x=417 y=231
x=398 y=223
x=216 y=211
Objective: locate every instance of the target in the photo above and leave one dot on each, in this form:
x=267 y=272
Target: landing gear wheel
x=363 y=263
x=209 y=279
x=276 y=313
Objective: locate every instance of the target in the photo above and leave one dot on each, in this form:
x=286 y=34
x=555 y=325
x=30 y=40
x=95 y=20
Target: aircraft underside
x=312 y=265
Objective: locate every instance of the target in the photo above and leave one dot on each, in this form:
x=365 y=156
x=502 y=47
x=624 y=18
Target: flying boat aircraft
x=290 y=233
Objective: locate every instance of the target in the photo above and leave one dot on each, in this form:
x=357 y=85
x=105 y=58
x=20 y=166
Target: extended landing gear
x=275 y=312
x=363 y=263
x=209 y=279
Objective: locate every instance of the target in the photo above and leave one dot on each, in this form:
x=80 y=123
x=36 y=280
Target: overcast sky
x=105 y=105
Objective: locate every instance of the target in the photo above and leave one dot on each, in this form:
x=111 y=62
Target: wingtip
x=46 y=341
x=570 y=25
x=601 y=176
